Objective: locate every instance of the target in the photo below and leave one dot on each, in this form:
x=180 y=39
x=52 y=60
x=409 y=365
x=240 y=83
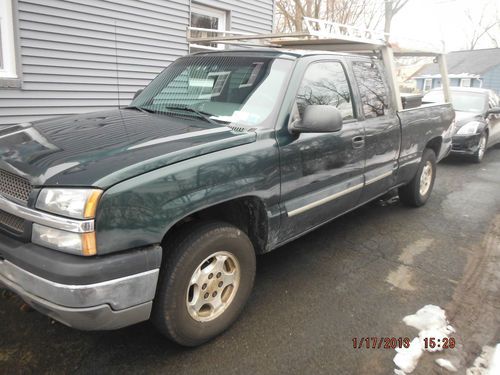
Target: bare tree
x=363 y=13
x=392 y=7
x=483 y=25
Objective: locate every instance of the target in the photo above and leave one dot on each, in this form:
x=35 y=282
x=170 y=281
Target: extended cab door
x=382 y=128
x=321 y=173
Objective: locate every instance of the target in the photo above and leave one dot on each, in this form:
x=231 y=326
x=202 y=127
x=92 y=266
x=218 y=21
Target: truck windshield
x=232 y=89
x=461 y=101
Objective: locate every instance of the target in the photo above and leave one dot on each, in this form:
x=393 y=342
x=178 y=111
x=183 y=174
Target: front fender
x=139 y=211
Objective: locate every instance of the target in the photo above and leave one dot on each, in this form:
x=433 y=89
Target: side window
x=325 y=83
x=372 y=89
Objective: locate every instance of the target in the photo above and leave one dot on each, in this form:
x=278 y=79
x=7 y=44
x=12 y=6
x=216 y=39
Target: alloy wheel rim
x=426 y=178
x=213 y=286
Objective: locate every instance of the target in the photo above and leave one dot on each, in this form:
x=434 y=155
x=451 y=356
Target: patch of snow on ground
x=431 y=321
x=407 y=358
x=488 y=363
x=495 y=362
x=446 y=364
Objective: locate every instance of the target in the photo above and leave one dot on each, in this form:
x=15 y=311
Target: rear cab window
x=372 y=88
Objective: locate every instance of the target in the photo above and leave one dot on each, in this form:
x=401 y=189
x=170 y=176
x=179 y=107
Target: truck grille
x=13 y=186
x=11 y=222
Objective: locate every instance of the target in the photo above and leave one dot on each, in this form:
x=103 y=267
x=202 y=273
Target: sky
x=445 y=20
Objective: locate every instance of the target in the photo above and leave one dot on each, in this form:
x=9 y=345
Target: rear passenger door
x=321 y=173
x=382 y=128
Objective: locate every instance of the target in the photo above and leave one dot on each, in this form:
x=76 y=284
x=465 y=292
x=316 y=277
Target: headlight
x=69 y=242
x=469 y=128
x=74 y=203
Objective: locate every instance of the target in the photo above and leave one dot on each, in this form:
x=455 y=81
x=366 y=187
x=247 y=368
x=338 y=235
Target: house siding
x=491 y=79
x=86 y=55
x=436 y=83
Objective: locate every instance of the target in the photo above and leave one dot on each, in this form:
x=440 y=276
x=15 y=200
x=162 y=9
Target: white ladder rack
x=331 y=36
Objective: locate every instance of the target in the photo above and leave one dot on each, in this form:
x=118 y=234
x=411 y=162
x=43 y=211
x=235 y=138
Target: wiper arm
x=201 y=114
x=144 y=110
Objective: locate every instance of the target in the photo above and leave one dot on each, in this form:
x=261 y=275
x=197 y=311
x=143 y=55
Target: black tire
x=197 y=242
x=410 y=194
x=479 y=154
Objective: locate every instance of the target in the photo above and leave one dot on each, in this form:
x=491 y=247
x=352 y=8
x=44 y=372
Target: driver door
x=322 y=173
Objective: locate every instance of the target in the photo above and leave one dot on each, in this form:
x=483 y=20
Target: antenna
x=116 y=64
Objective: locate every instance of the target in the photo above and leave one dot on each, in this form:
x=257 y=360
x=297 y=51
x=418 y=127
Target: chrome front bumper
x=106 y=305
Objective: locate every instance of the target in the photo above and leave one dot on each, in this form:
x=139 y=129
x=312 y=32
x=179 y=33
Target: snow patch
x=407 y=358
x=488 y=363
x=495 y=362
x=446 y=364
x=431 y=321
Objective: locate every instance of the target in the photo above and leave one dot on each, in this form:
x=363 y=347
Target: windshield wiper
x=144 y=110
x=203 y=115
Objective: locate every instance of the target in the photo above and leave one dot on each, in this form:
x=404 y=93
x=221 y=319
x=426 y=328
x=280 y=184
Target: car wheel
x=418 y=190
x=481 y=148
x=207 y=279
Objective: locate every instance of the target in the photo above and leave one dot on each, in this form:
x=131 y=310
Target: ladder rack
x=324 y=35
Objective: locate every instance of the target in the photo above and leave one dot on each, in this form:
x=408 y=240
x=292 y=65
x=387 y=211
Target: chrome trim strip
x=324 y=200
x=43 y=218
x=119 y=293
x=378 y=178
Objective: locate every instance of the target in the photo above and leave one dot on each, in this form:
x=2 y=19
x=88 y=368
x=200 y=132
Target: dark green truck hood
x=103 y=148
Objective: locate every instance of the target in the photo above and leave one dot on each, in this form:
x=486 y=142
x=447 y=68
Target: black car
x=477 y=119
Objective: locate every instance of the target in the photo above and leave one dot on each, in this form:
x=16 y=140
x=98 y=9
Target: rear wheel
x=207 y=279
x=418 y=190
x=481 y=148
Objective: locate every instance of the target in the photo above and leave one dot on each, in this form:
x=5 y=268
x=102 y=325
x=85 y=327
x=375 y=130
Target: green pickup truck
x=158 y=210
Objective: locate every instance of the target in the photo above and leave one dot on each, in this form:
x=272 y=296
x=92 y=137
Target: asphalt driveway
x=355 y=277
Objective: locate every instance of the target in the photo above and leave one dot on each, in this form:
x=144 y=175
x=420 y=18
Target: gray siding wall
x=436 y=82
x=491 y=79
x=87 y=55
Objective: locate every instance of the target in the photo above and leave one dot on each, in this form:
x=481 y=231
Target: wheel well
x=435 y=145
x=247 y=213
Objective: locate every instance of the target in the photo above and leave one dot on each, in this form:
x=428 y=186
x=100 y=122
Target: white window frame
x=220 y=14
x=463 y=80
x=425 y=84
x=8 y=69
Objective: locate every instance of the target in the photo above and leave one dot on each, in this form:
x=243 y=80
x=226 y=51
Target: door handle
x=358 y=142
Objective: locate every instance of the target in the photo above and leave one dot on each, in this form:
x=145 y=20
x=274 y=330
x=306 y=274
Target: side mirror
x=318 y=119
x=137 y=93
x=493 y=111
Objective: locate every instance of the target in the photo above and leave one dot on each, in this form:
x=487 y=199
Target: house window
x=465 y=82
x=427 y=84
x=7 y=49
x=206 y=19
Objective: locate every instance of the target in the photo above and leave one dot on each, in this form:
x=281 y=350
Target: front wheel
x=418 y=190
x=481 y=148
x=207 y=279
